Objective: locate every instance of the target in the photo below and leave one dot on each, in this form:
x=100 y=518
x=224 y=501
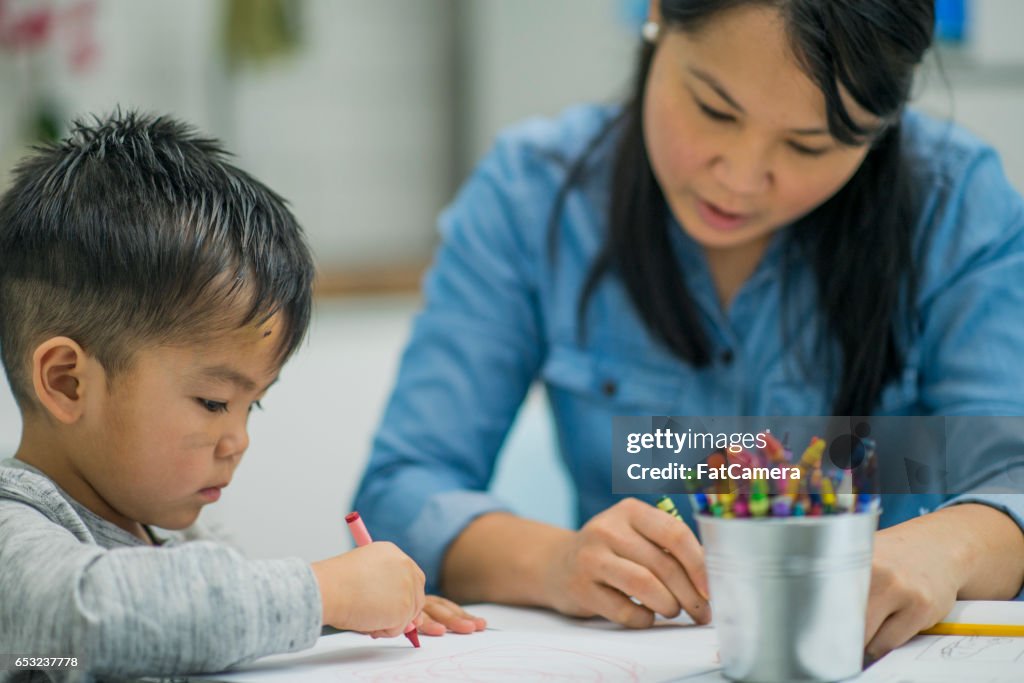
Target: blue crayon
x=700 y=503
x=866 y=502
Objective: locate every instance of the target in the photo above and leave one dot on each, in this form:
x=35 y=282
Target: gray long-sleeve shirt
x=74 y=584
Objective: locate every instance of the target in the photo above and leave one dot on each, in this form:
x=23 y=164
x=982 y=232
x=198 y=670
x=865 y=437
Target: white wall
x=355 y=129
x=987 y=99
x=535 y=57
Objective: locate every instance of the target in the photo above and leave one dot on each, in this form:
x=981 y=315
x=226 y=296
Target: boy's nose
x=232 y=445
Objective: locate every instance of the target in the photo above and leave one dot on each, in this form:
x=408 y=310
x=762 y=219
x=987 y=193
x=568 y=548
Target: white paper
x=951 y=659
x=521 y=645
x=987 y=612
x=536 y=645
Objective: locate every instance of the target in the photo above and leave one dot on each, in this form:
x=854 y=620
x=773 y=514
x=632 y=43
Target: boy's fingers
x=451 y=616
x=479 y=622
x=429 y=627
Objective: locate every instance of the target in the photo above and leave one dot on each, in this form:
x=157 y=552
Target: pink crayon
x=362 y=537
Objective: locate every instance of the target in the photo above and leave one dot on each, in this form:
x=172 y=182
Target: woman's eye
x=807 y=151
x=714 y=114
x=213 y=406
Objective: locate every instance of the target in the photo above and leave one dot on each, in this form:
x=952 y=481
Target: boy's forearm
x=134 y=611
x=500 y=557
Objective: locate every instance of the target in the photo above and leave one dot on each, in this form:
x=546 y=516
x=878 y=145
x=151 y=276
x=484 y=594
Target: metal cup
x=789 y=595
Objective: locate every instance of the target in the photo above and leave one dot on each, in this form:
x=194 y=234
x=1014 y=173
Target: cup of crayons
x=788 y=548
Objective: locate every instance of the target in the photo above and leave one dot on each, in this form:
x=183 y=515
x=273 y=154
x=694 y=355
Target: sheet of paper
x=537 y=645
x=951 y=659
x=987 y=612
x=954 y=659
x=521 y=645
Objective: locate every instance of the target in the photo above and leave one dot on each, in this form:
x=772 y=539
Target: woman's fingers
x=632 y=550
x=637 y=581
x=897 y=629
x=614 y=606
x=668 y=572
x=650 y=547
x=667 y=532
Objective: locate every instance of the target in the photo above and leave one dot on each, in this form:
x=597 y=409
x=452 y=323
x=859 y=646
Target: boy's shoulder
x=26 y=486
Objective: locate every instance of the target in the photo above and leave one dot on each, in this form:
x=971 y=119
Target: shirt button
x=609 y=387
x=727 y=357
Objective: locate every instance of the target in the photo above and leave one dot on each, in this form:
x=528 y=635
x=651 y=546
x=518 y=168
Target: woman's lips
x=720 y=219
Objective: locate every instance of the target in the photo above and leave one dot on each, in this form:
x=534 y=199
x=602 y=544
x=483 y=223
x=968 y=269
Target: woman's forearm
x=994 y=551
x=502 y=558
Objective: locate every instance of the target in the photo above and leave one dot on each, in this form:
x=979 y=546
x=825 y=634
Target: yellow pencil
x=999 y=630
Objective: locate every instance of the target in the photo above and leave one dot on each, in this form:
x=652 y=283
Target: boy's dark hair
x=134 y=230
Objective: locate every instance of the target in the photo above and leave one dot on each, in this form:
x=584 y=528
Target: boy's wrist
x=331 y=608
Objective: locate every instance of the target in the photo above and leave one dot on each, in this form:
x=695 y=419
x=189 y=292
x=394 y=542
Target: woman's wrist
x=988 y=547
x=500 y=557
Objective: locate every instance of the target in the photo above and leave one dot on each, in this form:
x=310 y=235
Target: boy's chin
x=177 y=520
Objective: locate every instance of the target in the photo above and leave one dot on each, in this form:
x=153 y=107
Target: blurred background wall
x=366 y=116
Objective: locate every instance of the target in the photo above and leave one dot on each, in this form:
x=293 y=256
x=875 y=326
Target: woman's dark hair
x=859 y=241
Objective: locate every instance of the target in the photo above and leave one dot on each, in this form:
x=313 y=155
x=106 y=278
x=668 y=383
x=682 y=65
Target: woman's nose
x=744 y=169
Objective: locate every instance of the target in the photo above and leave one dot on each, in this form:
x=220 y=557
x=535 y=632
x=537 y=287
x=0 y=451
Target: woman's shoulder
x=511 y=193
x=969 y=214
x=545 y=147
x=942 y=151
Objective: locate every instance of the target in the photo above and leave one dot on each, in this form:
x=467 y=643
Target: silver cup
x=789 y=595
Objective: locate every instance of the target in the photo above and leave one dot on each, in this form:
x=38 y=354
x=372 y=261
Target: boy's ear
x=58 y=377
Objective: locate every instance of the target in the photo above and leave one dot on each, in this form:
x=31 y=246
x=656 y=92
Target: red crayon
x=773 y=449
x=362 y=537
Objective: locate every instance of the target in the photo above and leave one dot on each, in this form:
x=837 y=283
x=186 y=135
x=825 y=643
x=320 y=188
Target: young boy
x=149 y=294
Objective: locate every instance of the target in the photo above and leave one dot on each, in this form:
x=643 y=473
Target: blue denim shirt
x=500 y=313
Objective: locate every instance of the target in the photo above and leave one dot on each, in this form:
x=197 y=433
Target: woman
x=761 y=230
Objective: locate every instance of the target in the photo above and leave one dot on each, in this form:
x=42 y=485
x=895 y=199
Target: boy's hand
x=376 y=589
x=441 y=615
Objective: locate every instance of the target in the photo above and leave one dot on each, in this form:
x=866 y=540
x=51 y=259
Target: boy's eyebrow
x=713 y=83
x=226 y=373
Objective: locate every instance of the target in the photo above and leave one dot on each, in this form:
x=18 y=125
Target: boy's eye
x=255 y=404
x=714 y=114
x=213 y=406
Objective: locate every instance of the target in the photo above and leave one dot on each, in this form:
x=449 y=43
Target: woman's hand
x=441 y=615
x=921 y=567
x=631 y=550
x=914 y=583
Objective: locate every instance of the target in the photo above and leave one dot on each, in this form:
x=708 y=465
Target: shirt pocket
x=792 y=396
x=625 y=387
